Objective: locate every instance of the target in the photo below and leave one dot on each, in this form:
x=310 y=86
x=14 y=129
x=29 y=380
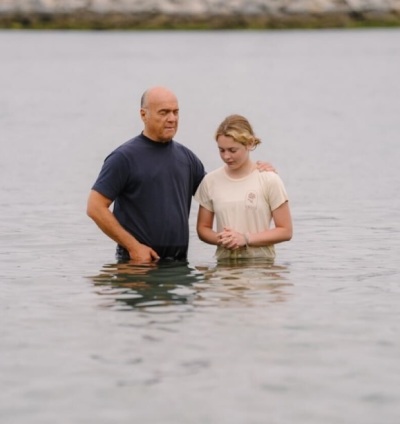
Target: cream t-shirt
x=243 y=204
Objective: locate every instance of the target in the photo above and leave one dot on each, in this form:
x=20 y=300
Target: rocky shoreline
x=197 y=14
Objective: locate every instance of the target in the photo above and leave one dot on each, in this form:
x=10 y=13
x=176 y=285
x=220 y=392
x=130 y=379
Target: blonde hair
x=239 y=128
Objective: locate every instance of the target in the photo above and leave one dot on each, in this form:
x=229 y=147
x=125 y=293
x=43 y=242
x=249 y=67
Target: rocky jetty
x=197 y=14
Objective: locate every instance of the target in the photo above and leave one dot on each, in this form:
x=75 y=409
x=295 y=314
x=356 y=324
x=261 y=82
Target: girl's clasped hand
x=231 y=239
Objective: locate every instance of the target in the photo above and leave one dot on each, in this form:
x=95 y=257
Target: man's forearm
x=110 y=226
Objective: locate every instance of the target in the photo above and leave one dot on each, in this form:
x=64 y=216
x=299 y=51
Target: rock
x=206 y=14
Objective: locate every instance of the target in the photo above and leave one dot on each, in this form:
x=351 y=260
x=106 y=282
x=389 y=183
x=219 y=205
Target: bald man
x=151 y=180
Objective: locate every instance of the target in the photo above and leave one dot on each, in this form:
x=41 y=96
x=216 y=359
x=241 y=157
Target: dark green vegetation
x=113 y=21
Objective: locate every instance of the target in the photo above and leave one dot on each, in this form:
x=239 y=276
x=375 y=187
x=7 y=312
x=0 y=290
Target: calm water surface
x=313 y=339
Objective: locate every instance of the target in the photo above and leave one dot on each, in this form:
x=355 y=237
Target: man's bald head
x=154 y=94
x=159 y=111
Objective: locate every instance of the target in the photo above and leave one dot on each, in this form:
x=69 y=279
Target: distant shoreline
x=89 y=20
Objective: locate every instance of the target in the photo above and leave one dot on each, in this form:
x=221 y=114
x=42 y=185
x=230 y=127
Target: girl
x=243 y=200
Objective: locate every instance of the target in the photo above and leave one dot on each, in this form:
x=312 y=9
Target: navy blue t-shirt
x=152 y=185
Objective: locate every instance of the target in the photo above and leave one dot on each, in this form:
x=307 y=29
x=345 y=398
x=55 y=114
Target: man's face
x=160 y=116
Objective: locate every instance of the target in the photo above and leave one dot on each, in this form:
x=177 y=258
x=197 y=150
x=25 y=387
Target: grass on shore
x=91 y=21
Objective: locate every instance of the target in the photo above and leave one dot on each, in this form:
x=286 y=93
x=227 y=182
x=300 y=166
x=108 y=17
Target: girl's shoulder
x=216 y=173
x=269 y=176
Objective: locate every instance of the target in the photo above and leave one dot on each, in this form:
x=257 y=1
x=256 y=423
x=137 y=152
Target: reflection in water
x=171 y=283
x=248 y=280
x=148 y=285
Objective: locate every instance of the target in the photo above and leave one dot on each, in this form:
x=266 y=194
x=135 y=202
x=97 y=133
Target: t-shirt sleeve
x=274 y=190
x=202 y=195
x=113 y=176
x=199 y=173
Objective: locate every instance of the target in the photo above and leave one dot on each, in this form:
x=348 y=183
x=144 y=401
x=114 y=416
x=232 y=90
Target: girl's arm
x=205 y=220
x=283 y=230
x=231 y=239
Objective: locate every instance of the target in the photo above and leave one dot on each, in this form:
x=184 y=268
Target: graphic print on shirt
x=251 y=199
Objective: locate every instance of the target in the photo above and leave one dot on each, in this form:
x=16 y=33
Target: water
x=313 y=339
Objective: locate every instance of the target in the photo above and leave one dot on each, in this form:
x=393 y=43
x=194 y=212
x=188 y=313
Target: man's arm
x=98 y=209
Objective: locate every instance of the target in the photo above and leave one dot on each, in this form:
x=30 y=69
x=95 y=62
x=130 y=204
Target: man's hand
x=265 y=166
x=143 y=254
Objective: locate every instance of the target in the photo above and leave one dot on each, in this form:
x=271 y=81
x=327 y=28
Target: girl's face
x=234 y=154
